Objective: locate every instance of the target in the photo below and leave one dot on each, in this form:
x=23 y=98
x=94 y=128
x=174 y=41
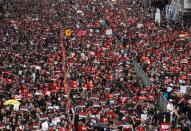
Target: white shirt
x=170 y=107
x=33 y=77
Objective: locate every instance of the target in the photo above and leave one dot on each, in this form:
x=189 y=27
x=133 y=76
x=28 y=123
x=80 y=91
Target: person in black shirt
x=188 y=112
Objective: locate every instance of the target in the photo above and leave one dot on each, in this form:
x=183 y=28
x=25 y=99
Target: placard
x=38 y=67
x=68 y=33
x=144 y=117
x=45 y=126
x=16 y=107
x=109 y=32
x=56 y=120
x=139 y=25
x=183 y=89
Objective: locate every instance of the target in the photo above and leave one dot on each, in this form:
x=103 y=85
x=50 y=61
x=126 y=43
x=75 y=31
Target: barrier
x=161 y=100
x=141 y=74
x=162 y=103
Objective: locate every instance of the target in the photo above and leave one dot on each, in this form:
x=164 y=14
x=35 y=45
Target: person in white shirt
x=170 y=108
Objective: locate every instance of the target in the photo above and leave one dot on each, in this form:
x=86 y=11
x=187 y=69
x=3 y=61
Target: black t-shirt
x=185 y=129
x=41 y=103
x=1 y=116
x=163 y=116
x=13 y=127
x=189 y=112
x=2 y=9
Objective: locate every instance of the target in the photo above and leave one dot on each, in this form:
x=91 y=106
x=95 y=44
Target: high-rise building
x=184 y=9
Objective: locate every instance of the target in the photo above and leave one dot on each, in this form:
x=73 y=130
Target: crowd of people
x=68 y=65
x=31 y=66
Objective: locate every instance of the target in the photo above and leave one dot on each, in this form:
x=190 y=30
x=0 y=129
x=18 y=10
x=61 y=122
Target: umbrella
x=11 y=102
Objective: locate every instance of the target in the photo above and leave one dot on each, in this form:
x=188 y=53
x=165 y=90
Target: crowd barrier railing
x=141 y=74
x=161 y=101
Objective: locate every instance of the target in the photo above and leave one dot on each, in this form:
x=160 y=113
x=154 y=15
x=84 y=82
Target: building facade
x=184 y=9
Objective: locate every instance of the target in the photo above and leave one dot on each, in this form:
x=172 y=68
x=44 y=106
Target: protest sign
x=68 y=33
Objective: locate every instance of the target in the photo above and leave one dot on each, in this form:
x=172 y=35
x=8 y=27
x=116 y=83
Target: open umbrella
x=11 y=102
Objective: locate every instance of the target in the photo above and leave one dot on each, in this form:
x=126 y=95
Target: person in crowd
x=69 y=65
